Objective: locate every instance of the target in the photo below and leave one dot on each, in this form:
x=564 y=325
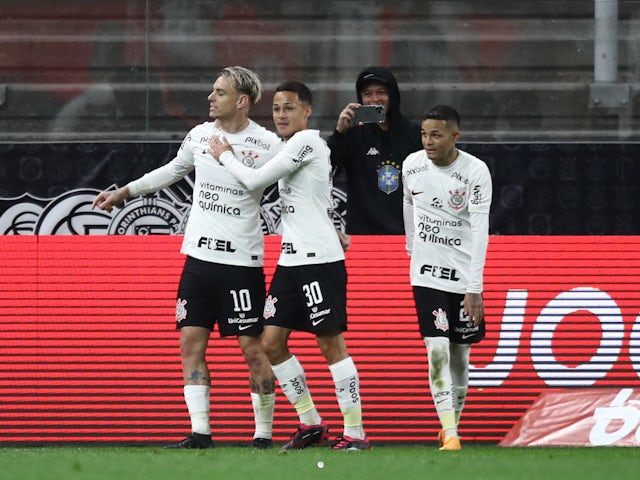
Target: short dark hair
x=443 y=112
x=304 y=94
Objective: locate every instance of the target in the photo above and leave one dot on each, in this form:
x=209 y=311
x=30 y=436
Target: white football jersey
x=308 y=233
x=224 y=221
x=303 y=171
x=438 y=201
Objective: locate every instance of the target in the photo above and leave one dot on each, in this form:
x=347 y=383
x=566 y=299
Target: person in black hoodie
x=371 y=155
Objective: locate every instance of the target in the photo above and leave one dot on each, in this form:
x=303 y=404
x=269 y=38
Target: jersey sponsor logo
x=211 y=191
x=436 y=202
x=467 y=335
x=431 y=233
x=181 y=310
x=438 y=240
x=427 y=220
x=373 y=151
x=269 y=307
x=317 y=322
x=388 y=177
x=457 y=176
x=244 y=327
x=441 y=322
x=413 y=192
x=287 y=209
x=302 y=153
x=457 y=200
x=476 y=195
x=258 y=143
x=216 y=244
x=287 y=247
x=414 y=170
x=223 y=208
x=444 y=273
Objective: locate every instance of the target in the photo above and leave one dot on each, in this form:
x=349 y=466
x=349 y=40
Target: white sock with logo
x=459 y=376
x=345 y=377
x=291 y=378
x=440 y=382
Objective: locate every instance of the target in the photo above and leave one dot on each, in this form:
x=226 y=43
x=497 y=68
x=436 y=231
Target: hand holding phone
x=368 y=114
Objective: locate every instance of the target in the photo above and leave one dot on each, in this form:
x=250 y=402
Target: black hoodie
x=372 y=159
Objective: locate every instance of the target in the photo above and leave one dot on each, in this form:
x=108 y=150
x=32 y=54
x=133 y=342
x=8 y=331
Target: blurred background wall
x=140 y=70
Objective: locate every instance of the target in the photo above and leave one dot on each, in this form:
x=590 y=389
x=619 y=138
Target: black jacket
x=372 y=160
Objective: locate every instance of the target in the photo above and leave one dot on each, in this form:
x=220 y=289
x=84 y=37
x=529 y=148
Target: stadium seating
x=125 y=70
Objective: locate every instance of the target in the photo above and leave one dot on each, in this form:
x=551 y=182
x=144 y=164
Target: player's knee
x=332 y=346
x=191 y=352
x=274 y=351
x=254 y=355
x=193 y=343
x=438 y=351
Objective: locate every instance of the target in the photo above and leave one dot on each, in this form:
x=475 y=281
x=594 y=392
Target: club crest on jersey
x=457 y=200
x=441 y=322
x=269 y=307
x=181 y=310
x=249 y=158
x=388 y=177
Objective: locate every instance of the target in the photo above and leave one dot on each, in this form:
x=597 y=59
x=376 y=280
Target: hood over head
x=383 y=76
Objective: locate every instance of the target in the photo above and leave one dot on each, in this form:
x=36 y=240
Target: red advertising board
x=90 y=354
x=579 y=417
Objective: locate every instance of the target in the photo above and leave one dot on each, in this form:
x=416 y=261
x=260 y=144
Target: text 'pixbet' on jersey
x=216 y=244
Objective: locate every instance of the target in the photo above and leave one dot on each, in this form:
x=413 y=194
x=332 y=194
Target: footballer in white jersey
x=224 y=221
x=308 y=289
x=446 y=202
x=438 y=201
x=303 y=173
x=222 y=279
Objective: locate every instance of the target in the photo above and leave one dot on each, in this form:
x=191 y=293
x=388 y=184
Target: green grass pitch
x=474 y=462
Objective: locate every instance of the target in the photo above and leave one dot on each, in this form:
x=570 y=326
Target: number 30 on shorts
x=313 y=293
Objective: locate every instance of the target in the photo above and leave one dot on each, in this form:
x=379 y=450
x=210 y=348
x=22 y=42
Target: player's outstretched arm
x=108 y=200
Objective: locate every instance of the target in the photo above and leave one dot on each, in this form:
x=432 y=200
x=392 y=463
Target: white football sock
x=345 y=377
x=440 y=382
x=197 y=399
x=263 y=406
x=291 y=378
x=459 y=376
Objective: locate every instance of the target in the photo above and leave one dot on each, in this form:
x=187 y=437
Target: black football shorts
x=441 y=314
x=308 y=298
x=230 y=295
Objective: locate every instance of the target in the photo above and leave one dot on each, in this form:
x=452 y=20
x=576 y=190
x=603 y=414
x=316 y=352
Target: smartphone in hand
x=368 y=114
